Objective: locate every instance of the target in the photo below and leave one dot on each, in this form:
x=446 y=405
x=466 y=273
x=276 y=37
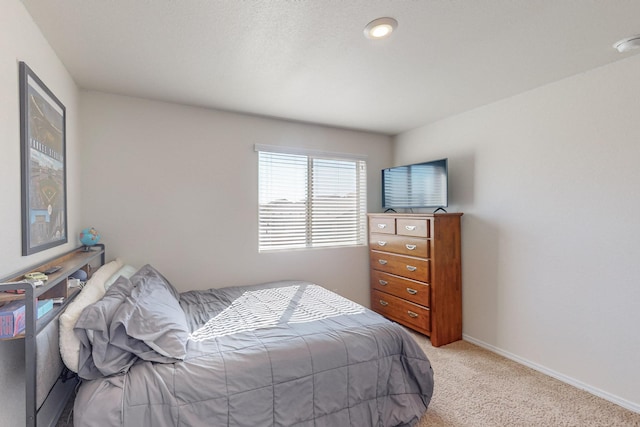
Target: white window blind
x=310 y=200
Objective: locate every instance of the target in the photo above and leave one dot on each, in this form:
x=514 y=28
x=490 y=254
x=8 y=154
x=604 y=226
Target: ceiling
x=308 y=60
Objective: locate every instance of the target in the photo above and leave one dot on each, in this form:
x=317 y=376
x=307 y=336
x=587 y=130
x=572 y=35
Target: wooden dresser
x=416 y=272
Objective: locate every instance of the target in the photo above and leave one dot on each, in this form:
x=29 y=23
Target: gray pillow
x=98 y=357
x=151 y=323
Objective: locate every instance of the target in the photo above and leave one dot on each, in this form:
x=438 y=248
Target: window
x=310 y=199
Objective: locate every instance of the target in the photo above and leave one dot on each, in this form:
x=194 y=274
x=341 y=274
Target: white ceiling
x=308 y=60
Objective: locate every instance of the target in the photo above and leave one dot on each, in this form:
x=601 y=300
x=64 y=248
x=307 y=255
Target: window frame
x=311 y=218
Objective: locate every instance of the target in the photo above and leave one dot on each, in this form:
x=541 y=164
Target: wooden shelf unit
x=56 y=286
x=416 y=278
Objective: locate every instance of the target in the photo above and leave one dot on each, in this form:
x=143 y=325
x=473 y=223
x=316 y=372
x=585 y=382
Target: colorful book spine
x=12 y=319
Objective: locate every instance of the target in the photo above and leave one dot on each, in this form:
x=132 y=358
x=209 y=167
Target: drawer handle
x=410 y=227
x=382 y=261
x=383 y=282
x=382 y=243
x=412 y=291
x=412 y=314
x=384 y=303
x=411 y=268
x=410 y=247
x=382 y=225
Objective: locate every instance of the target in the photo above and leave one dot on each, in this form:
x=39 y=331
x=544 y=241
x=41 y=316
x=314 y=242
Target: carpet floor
x=477 y=388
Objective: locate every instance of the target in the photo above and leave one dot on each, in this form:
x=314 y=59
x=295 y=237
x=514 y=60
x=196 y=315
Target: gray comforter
x=279 y=354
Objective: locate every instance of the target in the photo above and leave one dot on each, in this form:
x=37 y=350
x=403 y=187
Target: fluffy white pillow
x=92 y=292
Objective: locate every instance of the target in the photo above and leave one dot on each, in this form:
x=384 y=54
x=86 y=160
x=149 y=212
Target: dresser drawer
x=400 y=310
x=413 y=227
x=385 y=225
x=404 y=245
x=408 y=289
x=405 y=266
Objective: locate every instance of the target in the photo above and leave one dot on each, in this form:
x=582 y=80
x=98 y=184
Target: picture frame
x=43 y=161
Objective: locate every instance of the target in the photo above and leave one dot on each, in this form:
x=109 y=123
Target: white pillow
x=93 y=290
x=126 y=271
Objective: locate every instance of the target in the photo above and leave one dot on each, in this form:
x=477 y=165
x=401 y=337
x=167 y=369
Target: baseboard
x=561 y=377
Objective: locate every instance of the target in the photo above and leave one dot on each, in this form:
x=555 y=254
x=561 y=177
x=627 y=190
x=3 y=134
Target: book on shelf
x=12 y=319
x=13 y=316
x=44 y=306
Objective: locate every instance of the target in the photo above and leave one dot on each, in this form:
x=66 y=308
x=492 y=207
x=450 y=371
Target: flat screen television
x=421 y=185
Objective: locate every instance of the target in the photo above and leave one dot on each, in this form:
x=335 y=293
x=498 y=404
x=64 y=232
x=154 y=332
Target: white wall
x=176 y=187
x=548 y=182
x=21 y=40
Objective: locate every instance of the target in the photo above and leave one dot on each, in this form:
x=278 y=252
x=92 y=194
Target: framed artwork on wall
x=44 y=172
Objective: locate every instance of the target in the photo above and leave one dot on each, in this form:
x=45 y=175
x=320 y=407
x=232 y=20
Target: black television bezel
x=446 y=168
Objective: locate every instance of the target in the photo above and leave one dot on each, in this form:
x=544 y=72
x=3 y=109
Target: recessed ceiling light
x=627 y=44
x=380 y=28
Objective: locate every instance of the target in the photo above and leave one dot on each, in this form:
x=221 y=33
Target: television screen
x=421 y=185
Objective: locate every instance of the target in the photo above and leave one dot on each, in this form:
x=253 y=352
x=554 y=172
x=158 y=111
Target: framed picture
x=44 y=172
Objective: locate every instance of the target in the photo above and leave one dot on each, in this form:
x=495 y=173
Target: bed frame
x=47 y=392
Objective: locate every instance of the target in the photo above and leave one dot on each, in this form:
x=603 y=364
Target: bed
x=287 y=353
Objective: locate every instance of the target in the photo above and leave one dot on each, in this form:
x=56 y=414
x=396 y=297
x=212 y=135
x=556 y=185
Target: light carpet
x=477 y=388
